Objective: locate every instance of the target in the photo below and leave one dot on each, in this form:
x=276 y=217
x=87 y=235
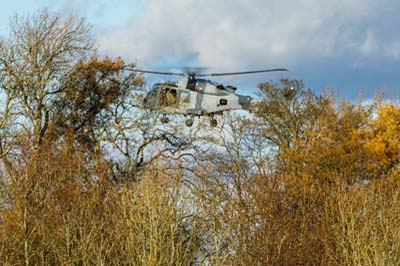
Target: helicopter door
x=168 y=97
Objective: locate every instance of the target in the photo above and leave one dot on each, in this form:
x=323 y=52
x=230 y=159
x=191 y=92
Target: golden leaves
x=105 y=64
x=385 y=135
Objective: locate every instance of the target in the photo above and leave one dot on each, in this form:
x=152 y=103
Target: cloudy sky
x=351 y=46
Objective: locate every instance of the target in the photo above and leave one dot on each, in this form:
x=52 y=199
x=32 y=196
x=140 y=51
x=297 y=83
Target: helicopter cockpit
x=161 y=95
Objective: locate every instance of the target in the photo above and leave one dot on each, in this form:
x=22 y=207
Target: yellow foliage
x=385 y=141
x=105 y=64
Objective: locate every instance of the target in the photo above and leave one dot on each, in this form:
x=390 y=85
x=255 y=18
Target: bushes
x=329 y=198
x=66 y=214
x=362 y=223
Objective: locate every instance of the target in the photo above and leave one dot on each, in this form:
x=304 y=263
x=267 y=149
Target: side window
x=184 y=97
x=223 y=102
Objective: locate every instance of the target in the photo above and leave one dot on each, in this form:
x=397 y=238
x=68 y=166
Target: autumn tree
x=95 y=95
x=56 y=88
x=286 y=110
x=384 y=143
x=336 y=180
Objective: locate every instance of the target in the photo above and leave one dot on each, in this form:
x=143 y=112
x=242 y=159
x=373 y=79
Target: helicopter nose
x=138 y=101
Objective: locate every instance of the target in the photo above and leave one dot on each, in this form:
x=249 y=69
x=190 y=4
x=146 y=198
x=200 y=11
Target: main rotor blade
x=157 y=72
x=242 y=73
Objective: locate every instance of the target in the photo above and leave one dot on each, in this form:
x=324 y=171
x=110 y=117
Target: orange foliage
x=105 y=64
x=384 y=144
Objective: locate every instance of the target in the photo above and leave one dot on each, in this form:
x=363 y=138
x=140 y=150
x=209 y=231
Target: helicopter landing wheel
x=213 y=122
x=189 y=122
x=164 y=120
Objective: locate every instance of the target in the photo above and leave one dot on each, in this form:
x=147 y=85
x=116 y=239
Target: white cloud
x=240 y=34
x=69 y=6
x=99 y=12
x=393 y=50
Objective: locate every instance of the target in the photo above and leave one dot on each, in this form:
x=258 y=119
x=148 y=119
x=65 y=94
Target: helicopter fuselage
x=194 y=97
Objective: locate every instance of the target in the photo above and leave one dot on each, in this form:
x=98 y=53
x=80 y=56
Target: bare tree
x=40 y=51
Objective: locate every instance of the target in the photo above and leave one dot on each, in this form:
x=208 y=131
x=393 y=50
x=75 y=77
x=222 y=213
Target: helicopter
x=196 y=96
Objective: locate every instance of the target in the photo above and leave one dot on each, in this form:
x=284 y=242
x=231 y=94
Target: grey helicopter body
x=196 y=96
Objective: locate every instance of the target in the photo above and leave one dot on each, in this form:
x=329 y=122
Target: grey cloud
x=232 y=34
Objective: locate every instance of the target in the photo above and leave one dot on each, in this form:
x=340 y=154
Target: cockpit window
x=184 y=97
x=201 y=83
x=153 y=91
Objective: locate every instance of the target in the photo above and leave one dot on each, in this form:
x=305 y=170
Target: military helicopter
x=196 y=96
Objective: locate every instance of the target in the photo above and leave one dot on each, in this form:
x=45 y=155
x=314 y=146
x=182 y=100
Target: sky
x=350 y=46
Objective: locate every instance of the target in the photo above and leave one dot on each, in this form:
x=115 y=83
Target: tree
x=56 y=88
x=385 y=138
x=41 y=50
x=95 y=94
x=287 y=110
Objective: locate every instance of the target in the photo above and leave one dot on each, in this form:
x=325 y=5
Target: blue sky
x=351 y=46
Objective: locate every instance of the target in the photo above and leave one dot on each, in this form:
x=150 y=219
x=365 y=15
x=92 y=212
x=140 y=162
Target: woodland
x=86 y=178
